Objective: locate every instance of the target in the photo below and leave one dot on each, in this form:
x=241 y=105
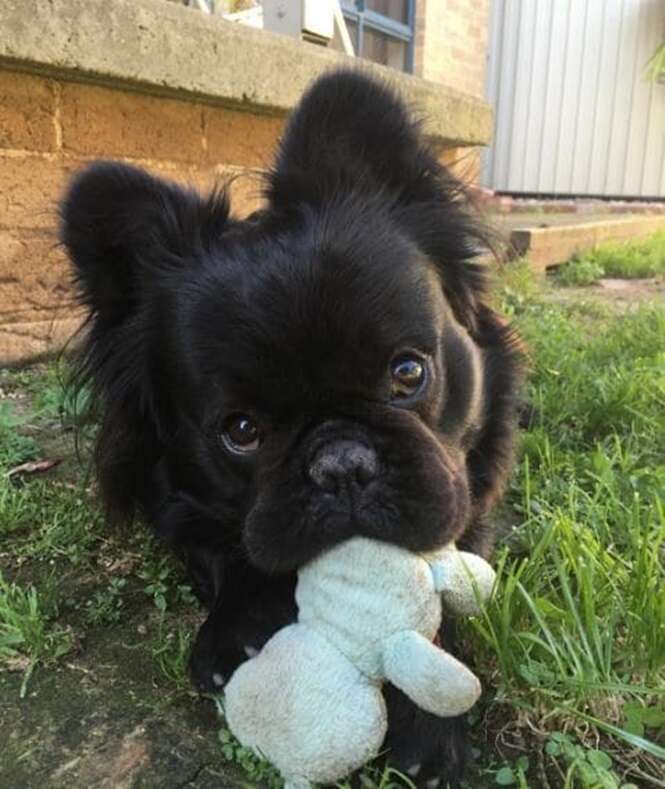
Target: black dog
x=329 y=366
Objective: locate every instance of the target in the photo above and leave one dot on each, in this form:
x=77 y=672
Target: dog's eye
x=241 y=434
x=408 y=375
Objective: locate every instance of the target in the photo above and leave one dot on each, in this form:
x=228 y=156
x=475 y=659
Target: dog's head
x=327 y=367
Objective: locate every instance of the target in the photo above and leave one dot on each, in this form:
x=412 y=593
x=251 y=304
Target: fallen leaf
x=33 y=467
x=19 y=663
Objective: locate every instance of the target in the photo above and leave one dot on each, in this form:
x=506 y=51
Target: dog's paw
x=215 y=656
x=210 y=673
x=431 y=775
x=431 y=751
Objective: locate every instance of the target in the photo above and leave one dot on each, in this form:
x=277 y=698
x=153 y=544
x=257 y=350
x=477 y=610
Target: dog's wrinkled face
x=327 y=367
x=334 y=382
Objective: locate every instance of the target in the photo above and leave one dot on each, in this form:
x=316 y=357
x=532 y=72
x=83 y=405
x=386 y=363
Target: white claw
x=218 y=680
x=414 y=770
x=251 y=651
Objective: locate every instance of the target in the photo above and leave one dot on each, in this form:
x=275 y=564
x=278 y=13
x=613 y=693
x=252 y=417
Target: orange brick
x=244 y=187
x=27 y=114
x=22 y=342
x=31 y=187
x=104 y=121
x=454 y=48
x=240 y=138
x=34 y=277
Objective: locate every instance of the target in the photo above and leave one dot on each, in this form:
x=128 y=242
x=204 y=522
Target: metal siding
x=623 y=99
x=506 y=111
x=662 y=169
x=492 y=81
x=606 y=92
x=552 y=118
x=538 y=68
x=571 y=98
x=517 y=144
x=574 y=114
x=632 y=178
x=654 y=149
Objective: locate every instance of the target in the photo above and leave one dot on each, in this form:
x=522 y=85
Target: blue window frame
x=382 y=30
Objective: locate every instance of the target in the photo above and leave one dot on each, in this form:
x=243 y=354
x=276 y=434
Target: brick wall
x=451 y=38
x=48 y=129
x=182 y=94
x=451 y=43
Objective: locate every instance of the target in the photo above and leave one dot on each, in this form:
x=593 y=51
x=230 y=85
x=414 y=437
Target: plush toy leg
x=431 y=677
x=306 y=708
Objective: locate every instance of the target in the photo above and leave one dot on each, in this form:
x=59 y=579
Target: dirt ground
x=627 y=293
x=509 y=222
x=98 y=720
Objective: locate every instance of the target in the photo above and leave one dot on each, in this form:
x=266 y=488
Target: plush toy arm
x=464 y=579
x=433 y=679
x=297 y=783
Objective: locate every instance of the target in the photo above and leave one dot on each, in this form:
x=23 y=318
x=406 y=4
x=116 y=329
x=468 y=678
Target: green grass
x=574 y=640
x=48 y=519
x=28 y=633
x=170 y=651
x=106 y=605
x=580 y=273
x=15 y=447
x=629 y=260
x=55 y=398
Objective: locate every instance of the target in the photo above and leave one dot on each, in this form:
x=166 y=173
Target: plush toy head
x=311 y=700
x=363 y=591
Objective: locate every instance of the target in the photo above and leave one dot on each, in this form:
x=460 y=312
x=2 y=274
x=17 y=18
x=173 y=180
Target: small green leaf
x=653 y=717
x=588 y=774
x=633 y=723
x=559 y=736
x=599 y=759
x=505 y=777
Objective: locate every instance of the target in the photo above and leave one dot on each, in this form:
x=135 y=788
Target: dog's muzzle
x=341 y=465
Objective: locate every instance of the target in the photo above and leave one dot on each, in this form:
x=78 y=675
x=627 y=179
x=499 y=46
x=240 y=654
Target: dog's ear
x=348 y=131
x=353 y=135
x=121 y=226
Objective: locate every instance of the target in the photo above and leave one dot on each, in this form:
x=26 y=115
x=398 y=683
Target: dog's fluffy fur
x=364 y=252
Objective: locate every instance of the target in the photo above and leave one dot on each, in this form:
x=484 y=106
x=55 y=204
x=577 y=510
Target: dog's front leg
x=247 y=609
x=245 y=605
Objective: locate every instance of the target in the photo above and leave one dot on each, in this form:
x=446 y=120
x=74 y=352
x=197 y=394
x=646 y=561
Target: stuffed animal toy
x=310 y=702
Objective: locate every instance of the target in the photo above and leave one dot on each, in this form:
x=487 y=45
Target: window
x=382 y=30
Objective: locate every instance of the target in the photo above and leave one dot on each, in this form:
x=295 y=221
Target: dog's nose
x=343 y=463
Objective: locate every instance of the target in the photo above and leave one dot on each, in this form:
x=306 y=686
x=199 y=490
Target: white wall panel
x=574 y=114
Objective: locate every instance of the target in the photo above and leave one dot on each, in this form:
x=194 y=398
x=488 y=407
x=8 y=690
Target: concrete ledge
x=165 y=48
x=549 y=246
